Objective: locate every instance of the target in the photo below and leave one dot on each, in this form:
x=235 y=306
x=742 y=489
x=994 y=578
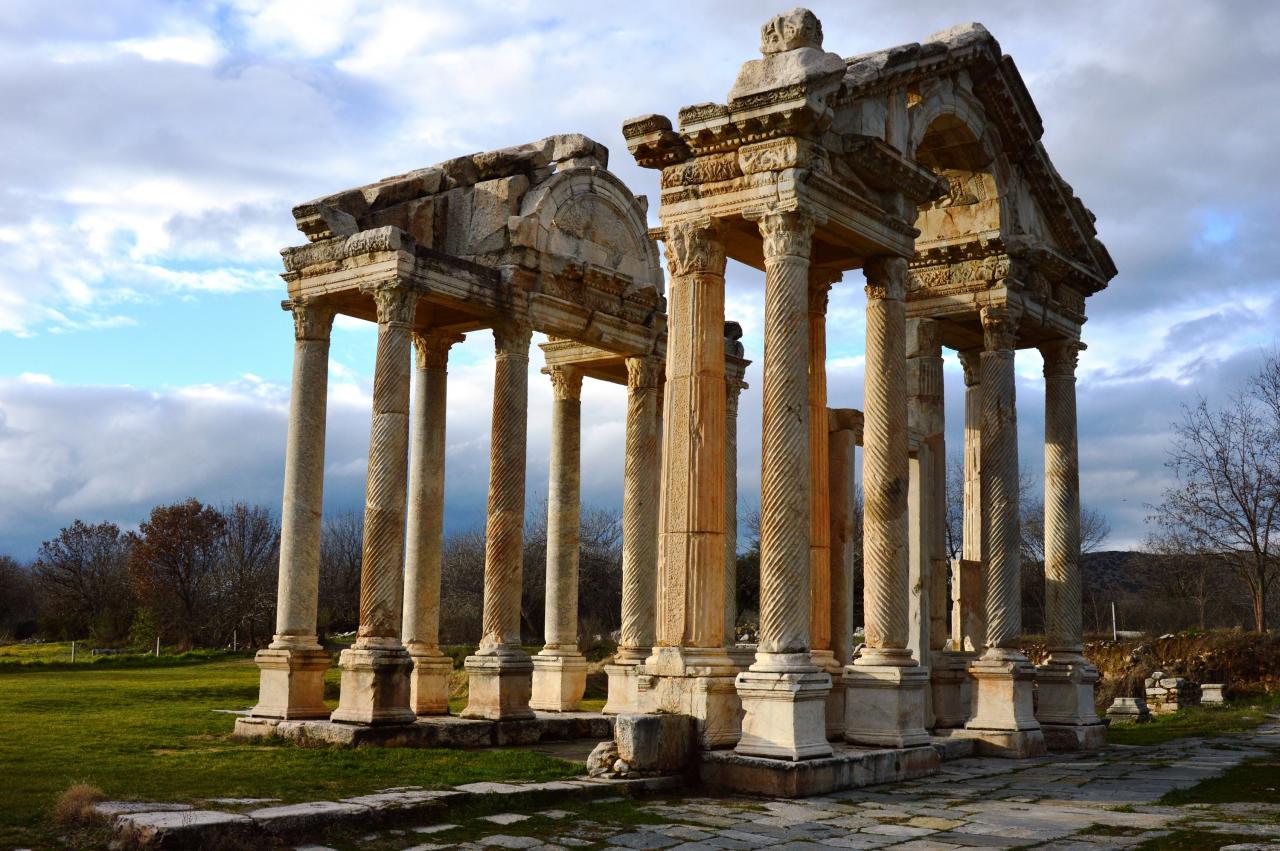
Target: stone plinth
x=1212 y=694
x=847 y=768
x=291 y=684
x=623 y=686
x=499 y=687
x=1065 y=705
x=784 y=713
x=429 y=682
x=1167 y=694
x=671 y=681
x=1004 y=720
x=952 y=688
x=1128 y=710
x=559 y=680
x=655 y=744
x=374 y=687
x=885 y=705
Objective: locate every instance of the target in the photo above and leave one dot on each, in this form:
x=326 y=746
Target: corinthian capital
x=999 y=329
x=644 y=373
x=786 y=233
x=694 y=247
x=312 y=319
x=971 y=362
x=886 y=277
x=1061 y=357
x=433 y=348
x=566 y=383
x=395 y=302
x=511 y=339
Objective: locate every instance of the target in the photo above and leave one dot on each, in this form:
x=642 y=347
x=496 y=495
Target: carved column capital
x=786 y=233
x=644 y=373
x=971 y=362
x=395 y=302
x=886 y=277
x=312 y=319
x=1061 y=357
x=511 y=339
x=694 y=247
x=566 y=382
x=999 y=329
x=432 y=348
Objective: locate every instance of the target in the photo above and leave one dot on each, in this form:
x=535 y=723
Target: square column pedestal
x=825 y=660
x=499 y=687
x=1066 y=713
x=1004 y=722
x=623 y=688
x=884 y=705
x=375 y=686
x=559 y=680
x=952 y=688
x=292 y=683
x=784 y=708
x=429 y=683
x=694 y=681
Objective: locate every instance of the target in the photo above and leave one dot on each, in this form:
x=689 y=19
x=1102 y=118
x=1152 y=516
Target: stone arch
x=586 y=216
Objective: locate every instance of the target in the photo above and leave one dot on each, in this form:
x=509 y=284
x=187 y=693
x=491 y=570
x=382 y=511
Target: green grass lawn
x=150 y=733
x=1195 y=721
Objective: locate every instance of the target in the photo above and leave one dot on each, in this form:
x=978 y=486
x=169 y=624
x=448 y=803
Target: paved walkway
x=1061 y=803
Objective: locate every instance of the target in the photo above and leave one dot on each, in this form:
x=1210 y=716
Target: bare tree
x=17 y=599
x=173 y=565
x=1226 y=503
x=247 y=572
x=341 y=545
x=82 y=579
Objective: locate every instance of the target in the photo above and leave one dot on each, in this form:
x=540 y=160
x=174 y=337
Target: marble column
x=843 y=434
x=500 y=673
x=291 y=684
x=375 y=670
x=429 y=683
x=1003 y=718
x=885 y=684
x=640 y=484
x=1066 y=682
x=742 y=655
x=969 y=614
x=783 y=693
x=559 y=669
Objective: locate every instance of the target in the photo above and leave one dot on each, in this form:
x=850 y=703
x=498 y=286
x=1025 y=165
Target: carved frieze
x=777 y=154
x=710 y=168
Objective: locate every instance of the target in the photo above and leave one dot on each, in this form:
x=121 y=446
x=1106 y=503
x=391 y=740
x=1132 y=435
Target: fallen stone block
x=1129 y=710
x=299 y=818
x=111 y=809
x=658 y=743
x=184 y=829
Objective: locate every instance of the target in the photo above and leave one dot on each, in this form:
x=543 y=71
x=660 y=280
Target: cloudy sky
x=152 y=151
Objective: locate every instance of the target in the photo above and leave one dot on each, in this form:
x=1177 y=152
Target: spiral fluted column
x=885 y=701
x=500 y=673
x=783 y=693
x=375 y=682
x=559 y=669
x=292 y=678
x=429 y=685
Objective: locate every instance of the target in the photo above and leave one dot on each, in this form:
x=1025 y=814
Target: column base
x=499 y=686
x=559 y=681
x=884 y=705
x=825 y=660
x=429 y=682
x=375 y=686
x=623 y=689
x=743 y=655
x=1065 y=708
x=784 y=706
x=1004 y=721
x=952 y=688
x=1070 y=738
x=291 y=685
x=693 y=681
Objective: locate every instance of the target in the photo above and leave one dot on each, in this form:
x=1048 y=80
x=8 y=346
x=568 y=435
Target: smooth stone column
x=560 y=669
x=424 y=547
x=291 y=684
x=1003 y=719
x=742 y=654
x=375 y=670
x=968 y=588
x=885 y=699
x=689 y=671
x=500 y=673
x=783 y=693
x=640 y=485
x=1065 y=683
x=844 y=429
x=949 y=691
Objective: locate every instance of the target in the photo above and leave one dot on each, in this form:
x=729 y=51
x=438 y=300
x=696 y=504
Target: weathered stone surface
x=185 y=829
x=655 y=744
x=298 y=818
